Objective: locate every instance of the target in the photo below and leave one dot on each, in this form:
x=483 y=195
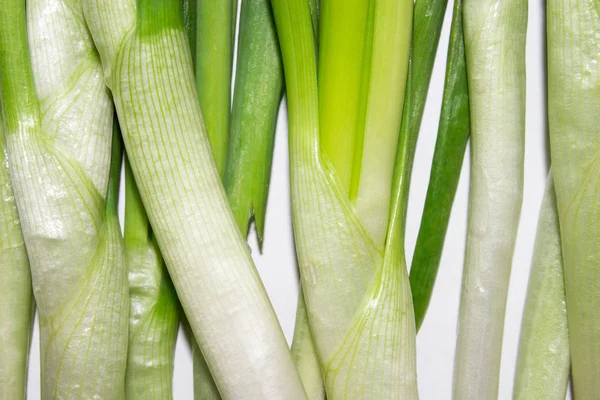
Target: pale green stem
x=387 y=72
x=574 y=120
x=16 y=297
x=543 y=363
x=60 y=151
x=305 y=354
x=213 y=62
x=153 y=305
x=357 y=298
x=495 y=36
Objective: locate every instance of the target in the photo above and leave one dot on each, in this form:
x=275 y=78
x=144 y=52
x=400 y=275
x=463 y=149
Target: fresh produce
x=354 y=276
x=16 y=298
x=573 y=103
x=191 y=91
x=453 y=133
x=179 y=183
x=59 y=130
x=153 y=305
x=543 y=364
x=495 y=53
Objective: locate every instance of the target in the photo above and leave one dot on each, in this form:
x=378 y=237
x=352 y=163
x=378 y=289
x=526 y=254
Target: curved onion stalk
x=171 y=159
x=357 y=293
x=215 y=36
x=59 y=152
x=453 y=134
x=543 y=364
x=495 y=51
x=16 y=297
x=153 y=306
x=574 y=101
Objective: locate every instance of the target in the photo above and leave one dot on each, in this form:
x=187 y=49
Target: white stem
x=495 y=51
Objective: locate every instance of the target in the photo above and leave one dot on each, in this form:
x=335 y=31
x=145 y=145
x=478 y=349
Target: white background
x=437 y=337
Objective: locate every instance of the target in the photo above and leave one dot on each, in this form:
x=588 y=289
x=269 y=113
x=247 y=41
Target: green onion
x=495 y=52
x=574 y=101
x=453 y=134
x=16 y=298
x=153 y=305
x=354 y=282
x=209 y=25
x=172 y=162
x=543 y=363
x=59 y=149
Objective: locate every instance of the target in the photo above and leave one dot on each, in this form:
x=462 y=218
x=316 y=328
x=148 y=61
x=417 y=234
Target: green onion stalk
x=346 y=208
x=145 y=52
x=573 y=103
x=16 y=298
x=153 y=305
x=543 y=362
x=58 y=119
x=495 y=37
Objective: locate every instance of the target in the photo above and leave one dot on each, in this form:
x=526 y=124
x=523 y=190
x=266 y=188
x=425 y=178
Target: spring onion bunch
x=197 y=171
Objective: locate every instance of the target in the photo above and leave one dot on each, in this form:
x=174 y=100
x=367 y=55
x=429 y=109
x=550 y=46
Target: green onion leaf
x=453 y=134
